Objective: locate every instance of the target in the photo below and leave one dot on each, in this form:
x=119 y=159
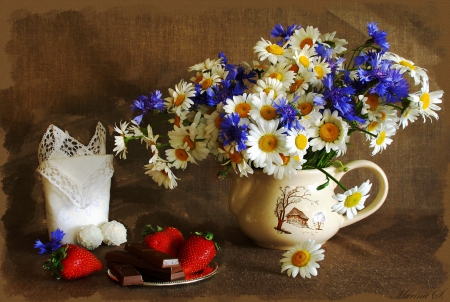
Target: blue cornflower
x=53 y=245
x=146 y=104
x=338 y=97
x=324 y=51
x=279 y=32
x=378 y=36
x=289 y=118
x=232 y=132
x=388 y=83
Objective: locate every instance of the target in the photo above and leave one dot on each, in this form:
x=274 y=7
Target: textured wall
x=75 y=67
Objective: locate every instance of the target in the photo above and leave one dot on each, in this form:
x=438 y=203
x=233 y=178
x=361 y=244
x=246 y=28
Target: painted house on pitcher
x=295 y=216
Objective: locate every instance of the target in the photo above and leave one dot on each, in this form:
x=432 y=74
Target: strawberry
x=197 y=252
x=167 y=240
x=72 y=262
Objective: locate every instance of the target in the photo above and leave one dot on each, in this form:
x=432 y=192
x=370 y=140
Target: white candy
x=90 y=237
x=114 y=233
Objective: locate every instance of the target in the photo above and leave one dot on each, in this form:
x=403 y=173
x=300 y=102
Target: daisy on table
x=302 y=259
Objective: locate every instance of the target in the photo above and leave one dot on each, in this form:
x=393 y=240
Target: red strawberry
x=168 y=240
x=72 y=262
x=197 y=252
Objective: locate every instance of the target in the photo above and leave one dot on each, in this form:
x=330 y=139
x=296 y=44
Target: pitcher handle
x=382 y=190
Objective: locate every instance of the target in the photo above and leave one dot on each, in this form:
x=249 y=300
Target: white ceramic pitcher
x=278 y=213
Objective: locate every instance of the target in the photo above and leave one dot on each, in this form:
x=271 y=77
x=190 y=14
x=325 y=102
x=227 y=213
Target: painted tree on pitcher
x=288 y=196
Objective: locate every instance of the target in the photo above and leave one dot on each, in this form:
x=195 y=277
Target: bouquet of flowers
x=295 y=108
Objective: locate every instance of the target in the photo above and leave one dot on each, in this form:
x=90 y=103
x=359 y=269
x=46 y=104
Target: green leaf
x=323 y=186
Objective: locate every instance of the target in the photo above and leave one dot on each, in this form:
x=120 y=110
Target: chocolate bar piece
x=125 y=257
x=153 y=256
x=126 y=274
x=162 y=276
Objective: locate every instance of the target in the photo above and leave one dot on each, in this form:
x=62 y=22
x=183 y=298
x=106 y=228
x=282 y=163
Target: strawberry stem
x=148 y=229
x=54 y=263
x=208 y=236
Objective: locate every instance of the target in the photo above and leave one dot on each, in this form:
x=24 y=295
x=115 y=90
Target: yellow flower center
x=190 y=143
x=372 y=126
x=181 y=154
x=206 y=83
x=242 y=109
x=304 y=61
x=372 y=101
x=218 y=121
x=294 y=68
x=308 y=41
x=179 y=100
x=425 y=98
x=199 y=79
x=381 y=137
x=236 y=157
x=276 y=75
x=305 y=108
x=301 y=141
x=407 y=64
x=268 y=112
x=177 y=121
x=319 y=70
x=285 y=159
x=268 y=143
x=297 y=84
x=300 y=258
x=268 y=90
x=353 y=200
x=275 y=49
x=329 y=132
x=383 y=116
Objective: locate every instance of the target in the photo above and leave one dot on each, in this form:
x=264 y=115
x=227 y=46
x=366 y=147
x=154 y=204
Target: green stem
x=365 y=131
x=331 y=177
x=395 y=106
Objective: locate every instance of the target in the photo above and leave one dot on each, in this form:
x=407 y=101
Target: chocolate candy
x=129 y=258
x=158 y=275
x=153 y=256
x=126 y=274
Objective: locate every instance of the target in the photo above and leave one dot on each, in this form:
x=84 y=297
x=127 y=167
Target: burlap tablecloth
x=76 y=64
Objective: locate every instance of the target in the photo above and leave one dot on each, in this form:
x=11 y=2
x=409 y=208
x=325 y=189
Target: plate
x=213 y=265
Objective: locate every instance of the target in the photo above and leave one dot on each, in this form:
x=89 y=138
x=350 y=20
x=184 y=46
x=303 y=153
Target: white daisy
x=330 y=133
x=272 y=52
x=269 y=85
x=180 y=97
x=121 y=139
x=410 y=114
x=180 y=157
x=371 y=103
x=161 y=174
x=302 y=259
x=302 y=37
x=383 y=138
x=286 y=170
x=240 y=104
x=208 y=80
x=263 y=107
x=304 y=57
x=301 y=82
x=427 y=102
x=321 y=70
x=208 y=64
x=404 y=65
x=336 y=44
x=352 y=200
x=212 y=129
x=238 y=160
x=282 y=73
x=265 y=142
x=297 y=142
x=309 y=110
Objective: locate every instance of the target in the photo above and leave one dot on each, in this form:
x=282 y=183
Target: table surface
x=86 y=62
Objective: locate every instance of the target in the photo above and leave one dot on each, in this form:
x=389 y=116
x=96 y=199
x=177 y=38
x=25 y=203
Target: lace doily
x=77 y=170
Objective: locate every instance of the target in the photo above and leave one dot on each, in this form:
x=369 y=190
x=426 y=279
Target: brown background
x=76 y=63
